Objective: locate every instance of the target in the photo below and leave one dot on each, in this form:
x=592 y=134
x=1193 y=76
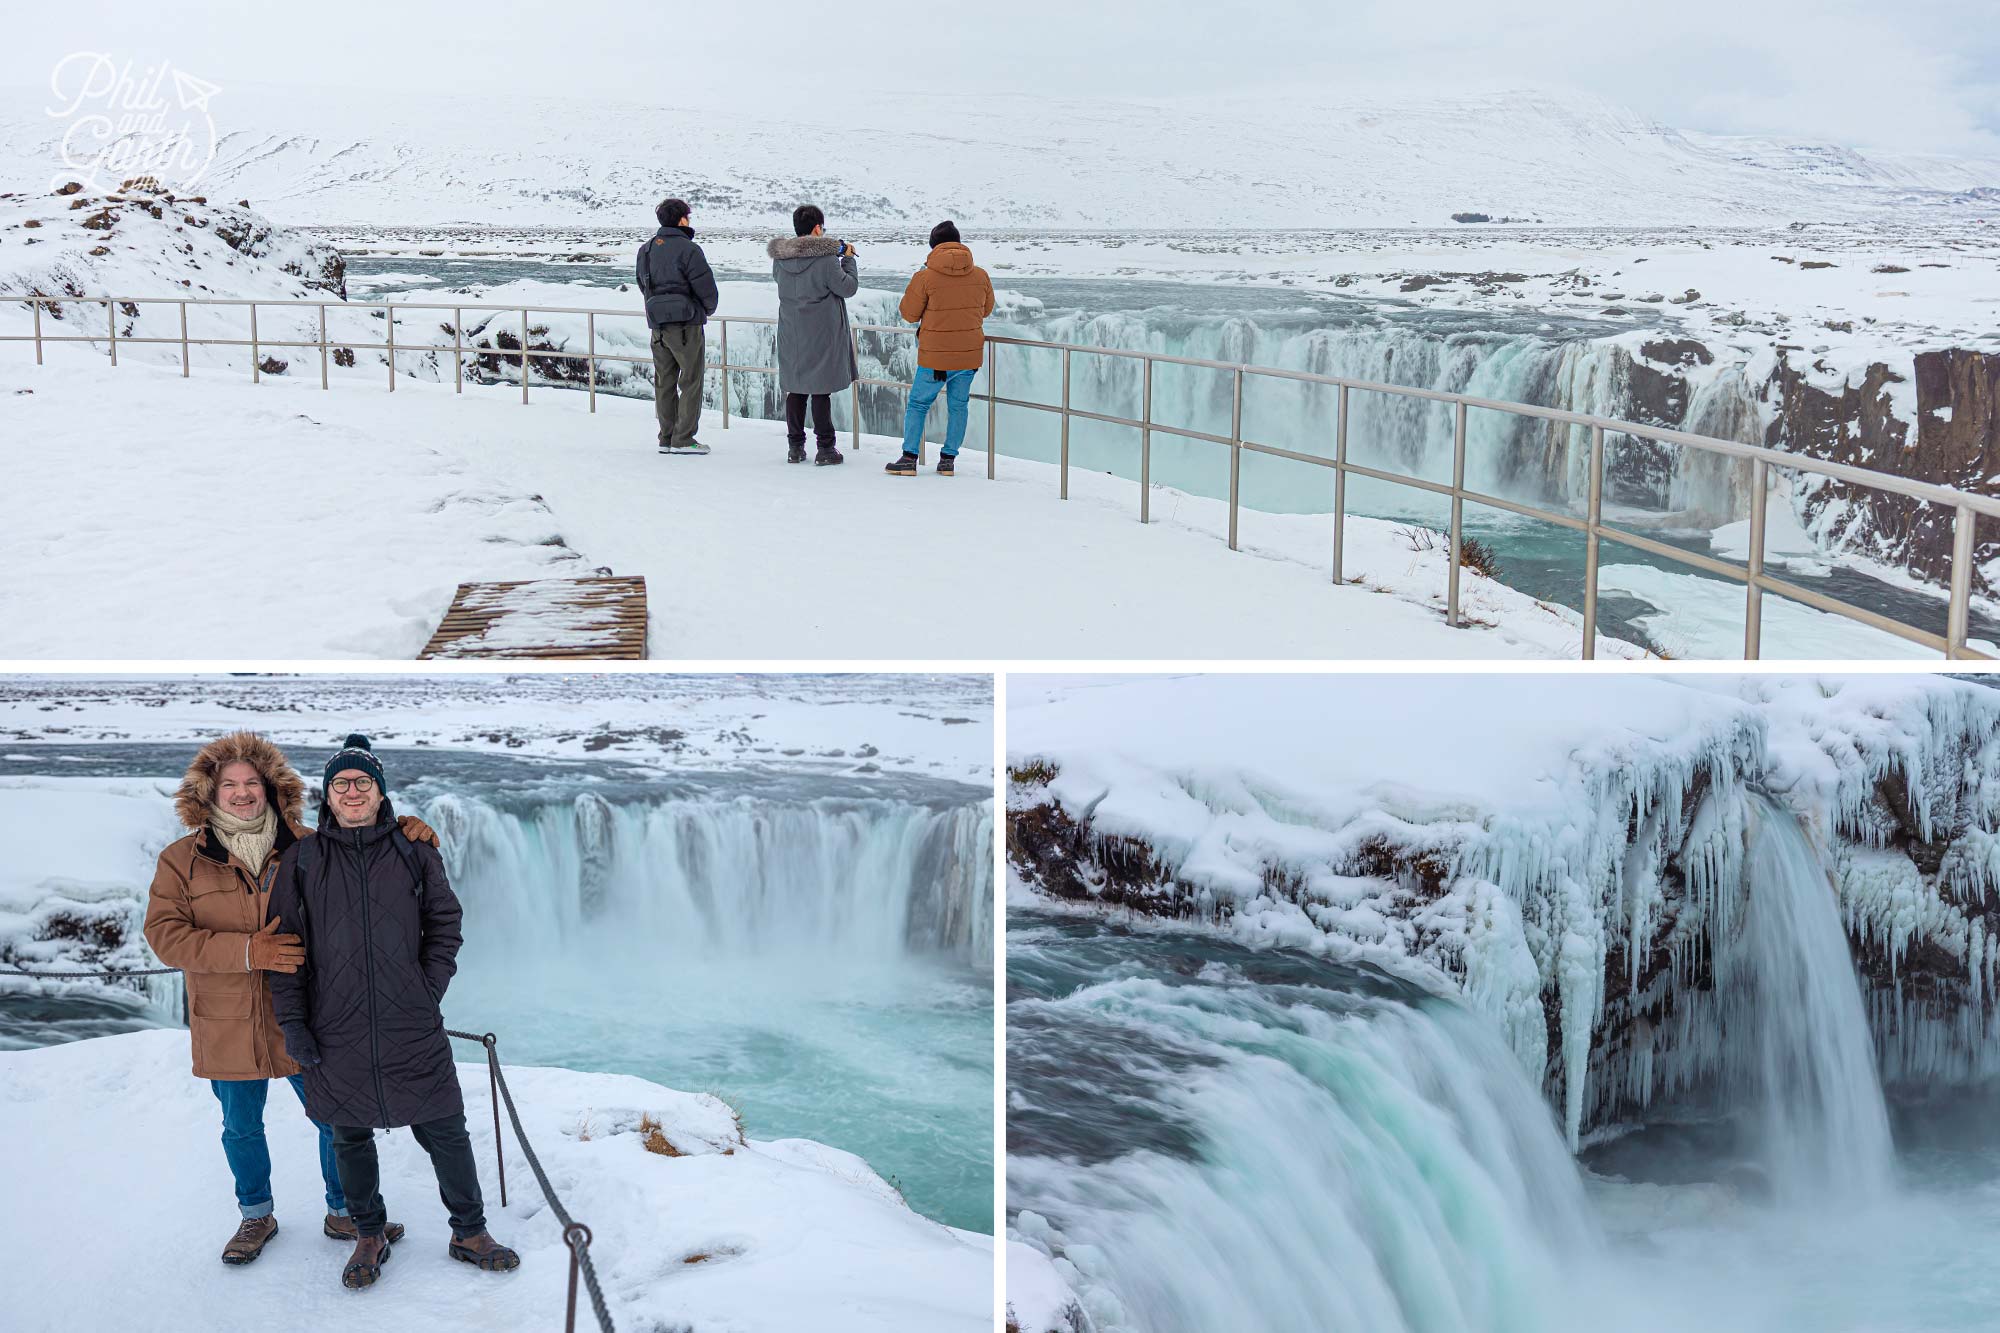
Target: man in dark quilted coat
x=380 y=930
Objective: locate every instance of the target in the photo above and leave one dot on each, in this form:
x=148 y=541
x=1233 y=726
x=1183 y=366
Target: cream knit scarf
x=250 y=840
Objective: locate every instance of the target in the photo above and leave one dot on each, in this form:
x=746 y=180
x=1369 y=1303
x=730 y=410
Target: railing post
x=590 y=360
x=1595 y=516
x=992 y=404
x=577 y=1237
x=458 y=349
x=1065 y=425
x=1753 y=600
x=725 y=374
x=389 y=317
x=1959 y=620
x=524 y=358
x=256 y=369
x=111 y=313
x=1235 y=454
x=493 y=1089
x=854 y=340
x=322 y=345
x=1340 y=486
x=1457 y=515
x=184 y=339
x=35 y=304
x=1146 y=444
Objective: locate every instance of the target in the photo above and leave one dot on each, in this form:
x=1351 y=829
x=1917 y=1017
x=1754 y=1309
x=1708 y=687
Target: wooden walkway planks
x=600 y=617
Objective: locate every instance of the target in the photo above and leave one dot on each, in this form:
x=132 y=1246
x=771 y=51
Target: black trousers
x=450 y=1148
x=795 y=418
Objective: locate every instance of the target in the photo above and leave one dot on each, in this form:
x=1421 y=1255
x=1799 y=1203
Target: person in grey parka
x=815 y=276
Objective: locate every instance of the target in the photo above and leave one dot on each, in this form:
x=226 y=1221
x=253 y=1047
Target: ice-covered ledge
x=121 y=1204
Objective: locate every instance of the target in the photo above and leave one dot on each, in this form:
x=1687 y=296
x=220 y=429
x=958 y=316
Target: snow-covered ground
x=123 y=1203
x=381 y=504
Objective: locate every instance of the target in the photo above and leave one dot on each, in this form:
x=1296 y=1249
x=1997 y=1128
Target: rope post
x=457 y=350
x=1146 y=443
x=1590 y=543
x=36 y=305
x=577 y=1236
x=854 y=337
x=1235 y=454
x=1958 y=618
x=1753 y=598
x=499 y=1151
x=256 y=371
x=389 y=313
x=322 y=345
x=1340 y=486
x=1451 y=616
x=111 y=317
x=992 y=396
x=524 y=358
x=184 y=339
x=725 y=374
x=1065 y=426
x=590 y=358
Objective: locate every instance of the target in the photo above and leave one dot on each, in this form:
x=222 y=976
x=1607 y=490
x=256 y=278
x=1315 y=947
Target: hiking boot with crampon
x=341 y=1227
x=250 y=1239
x=485 y=1252
x=827 y=456
x=905 y=466
x=364 y=1266
x=795 y=453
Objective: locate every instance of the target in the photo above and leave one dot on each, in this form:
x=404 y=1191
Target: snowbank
x=1565 y=851
x=744 y=1235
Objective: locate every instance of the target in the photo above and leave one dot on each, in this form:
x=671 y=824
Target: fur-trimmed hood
x=196 y=797
x=801 y=247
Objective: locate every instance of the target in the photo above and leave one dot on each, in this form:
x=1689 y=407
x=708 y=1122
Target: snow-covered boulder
x=122 y=1203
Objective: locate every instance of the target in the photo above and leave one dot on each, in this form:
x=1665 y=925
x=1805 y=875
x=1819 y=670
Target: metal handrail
x=1967 y=507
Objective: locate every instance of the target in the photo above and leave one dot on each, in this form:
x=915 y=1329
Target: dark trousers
x=678 y=363
x=795 y=418
x=450 y=1148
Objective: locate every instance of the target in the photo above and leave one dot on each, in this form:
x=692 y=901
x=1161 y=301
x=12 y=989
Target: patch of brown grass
x=655 y=1139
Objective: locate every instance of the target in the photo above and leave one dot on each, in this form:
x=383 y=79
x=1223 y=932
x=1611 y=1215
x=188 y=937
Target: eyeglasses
x=345 y=785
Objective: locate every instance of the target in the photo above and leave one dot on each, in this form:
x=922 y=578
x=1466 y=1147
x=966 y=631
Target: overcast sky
x=1909 y=75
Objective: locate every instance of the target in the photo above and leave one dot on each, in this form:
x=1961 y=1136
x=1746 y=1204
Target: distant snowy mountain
x=319 y=157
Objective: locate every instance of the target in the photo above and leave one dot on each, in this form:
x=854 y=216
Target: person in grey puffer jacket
x=815 y=276
x=680 y=295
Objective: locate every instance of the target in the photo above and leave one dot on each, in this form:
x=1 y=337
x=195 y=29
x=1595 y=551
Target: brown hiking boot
x=339 y=1227
x=365 y=1264
x=250 y=1239
x=484 y=1251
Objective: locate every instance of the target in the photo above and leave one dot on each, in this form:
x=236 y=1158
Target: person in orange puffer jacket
x=948 y=300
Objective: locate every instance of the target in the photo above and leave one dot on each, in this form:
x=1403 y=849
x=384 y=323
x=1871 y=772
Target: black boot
x=795 y=453
x=904 y=466
x=828 y=455
x=944 y=467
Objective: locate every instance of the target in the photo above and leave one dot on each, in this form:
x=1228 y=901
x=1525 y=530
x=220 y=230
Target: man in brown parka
x=948 y=300
x=208 y=915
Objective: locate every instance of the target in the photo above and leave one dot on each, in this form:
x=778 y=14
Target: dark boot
x=484 y=1251
x=365 y=1264
x=904 y=466
x=945 y=464
x=827 y=456
x=795 y=453
x=342 y=1228
x=250 y=1239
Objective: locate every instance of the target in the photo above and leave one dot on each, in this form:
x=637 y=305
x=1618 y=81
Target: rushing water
x=814 y=948
x=1566 y=361
x=1223 y=1137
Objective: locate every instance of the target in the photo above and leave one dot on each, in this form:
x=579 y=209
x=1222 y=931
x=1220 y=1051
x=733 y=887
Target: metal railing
x=1966 y=507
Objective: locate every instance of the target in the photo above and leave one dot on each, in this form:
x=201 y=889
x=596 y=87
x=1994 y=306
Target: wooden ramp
x=603 y=617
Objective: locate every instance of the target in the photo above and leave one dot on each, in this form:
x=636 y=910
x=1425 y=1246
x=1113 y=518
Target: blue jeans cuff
x=254 y=1210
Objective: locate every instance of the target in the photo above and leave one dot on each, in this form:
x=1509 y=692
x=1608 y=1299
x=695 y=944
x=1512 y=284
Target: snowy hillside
x=693 y=1225
x=317 y=157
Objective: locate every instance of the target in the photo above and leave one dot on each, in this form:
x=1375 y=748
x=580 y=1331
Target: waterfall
x=1797 y=1039
x=697 y=877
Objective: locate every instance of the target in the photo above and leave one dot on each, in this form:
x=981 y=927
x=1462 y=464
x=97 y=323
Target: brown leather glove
x=416 y=830
x=275 y=953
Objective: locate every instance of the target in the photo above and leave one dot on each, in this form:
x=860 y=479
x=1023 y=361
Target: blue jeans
x=249 y=1159
x=957 y=386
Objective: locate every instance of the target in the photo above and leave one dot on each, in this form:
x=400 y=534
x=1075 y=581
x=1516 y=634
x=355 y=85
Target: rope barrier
x=576 y=1236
